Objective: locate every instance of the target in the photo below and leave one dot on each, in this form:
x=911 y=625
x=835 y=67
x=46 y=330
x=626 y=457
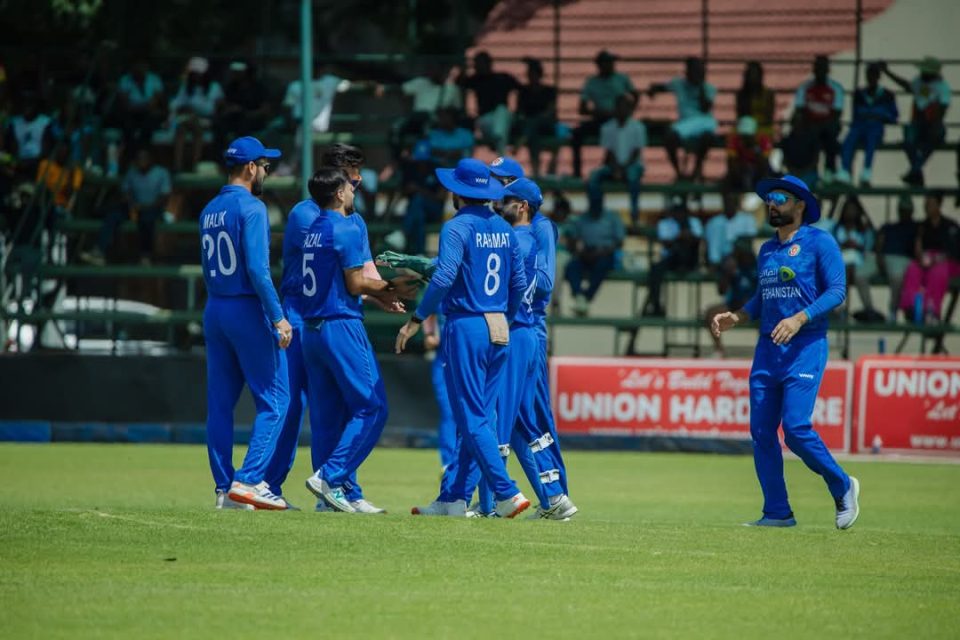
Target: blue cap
x=506 y=168
x=525 y=189
x=247 y=149
x=470 y=179
x=795 y=186
x=421 y=152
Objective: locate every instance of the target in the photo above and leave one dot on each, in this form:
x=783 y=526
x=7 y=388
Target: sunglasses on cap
x=778 y=198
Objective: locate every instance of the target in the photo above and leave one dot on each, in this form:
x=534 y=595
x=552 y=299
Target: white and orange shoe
x=224 y=502
x=258 y=495
x=512 y=507
x=456 y=509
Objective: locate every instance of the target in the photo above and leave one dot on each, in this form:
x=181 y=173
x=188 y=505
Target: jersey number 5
x=309 y=276
x=222 y=245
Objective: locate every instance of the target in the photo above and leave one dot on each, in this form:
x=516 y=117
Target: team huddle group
x=491 y=283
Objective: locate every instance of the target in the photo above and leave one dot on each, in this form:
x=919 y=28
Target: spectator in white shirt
x=193 y=108
x=141 y=107
x=679 y=234
x=623 y=139
x=429 y=93
x=724 y=229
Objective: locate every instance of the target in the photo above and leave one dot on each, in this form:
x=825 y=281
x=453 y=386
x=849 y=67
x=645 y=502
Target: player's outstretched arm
x=727 y=320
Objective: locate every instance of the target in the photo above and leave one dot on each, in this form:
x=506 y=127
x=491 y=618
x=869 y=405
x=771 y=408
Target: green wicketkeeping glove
x=424 y=267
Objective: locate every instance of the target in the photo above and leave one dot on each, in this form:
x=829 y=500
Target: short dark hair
x=342 y=156
x=325 y=182
x=937 y=194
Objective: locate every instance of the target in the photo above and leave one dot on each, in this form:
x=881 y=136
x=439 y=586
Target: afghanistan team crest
x=794 y=250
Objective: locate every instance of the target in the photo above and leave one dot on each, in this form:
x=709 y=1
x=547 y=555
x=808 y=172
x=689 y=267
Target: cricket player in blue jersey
x=350 y=159
x=480 y=281
x=346 y=396
x=801 y=279
x=519 y=426
x=244 y=327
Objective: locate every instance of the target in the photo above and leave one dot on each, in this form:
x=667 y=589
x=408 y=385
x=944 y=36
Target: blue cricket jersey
x=545 y=234
x=332 y=244
x=479 y=267
x=303 y=214
x=806 y=274
x=235 y=248
x=526 y=315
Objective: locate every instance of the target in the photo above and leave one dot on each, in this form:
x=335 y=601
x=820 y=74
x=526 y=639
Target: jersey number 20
x=223 y=246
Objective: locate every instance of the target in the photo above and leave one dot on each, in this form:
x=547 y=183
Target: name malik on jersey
x=213 y=220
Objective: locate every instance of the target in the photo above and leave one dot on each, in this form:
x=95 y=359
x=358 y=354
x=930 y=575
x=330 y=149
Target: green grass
x=122 y=541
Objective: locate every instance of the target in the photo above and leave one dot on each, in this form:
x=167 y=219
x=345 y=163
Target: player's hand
x=407 y=331
x=788 y=327
x=431 y=341
x=405 y=287
x=722 y=322
x=285 y=331
x=388 y=304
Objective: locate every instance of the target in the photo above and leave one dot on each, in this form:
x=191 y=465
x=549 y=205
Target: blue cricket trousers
x=783 y=388
x=346 y=395
x=474 y=373
x=242 y=348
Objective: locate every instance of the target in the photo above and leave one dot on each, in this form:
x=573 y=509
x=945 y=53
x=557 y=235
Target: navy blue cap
x=525 y=189
x=470 y=179
x=506 y=168
x=796 y=186
x=247 y=149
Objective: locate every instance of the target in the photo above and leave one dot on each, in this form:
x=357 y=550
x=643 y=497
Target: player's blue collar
x=475 y=209
x=802 y=231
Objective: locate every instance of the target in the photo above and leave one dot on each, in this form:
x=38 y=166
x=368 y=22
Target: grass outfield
x=121 y=541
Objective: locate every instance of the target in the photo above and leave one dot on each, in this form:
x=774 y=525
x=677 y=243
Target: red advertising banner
x=691 y=398
x=908 y=405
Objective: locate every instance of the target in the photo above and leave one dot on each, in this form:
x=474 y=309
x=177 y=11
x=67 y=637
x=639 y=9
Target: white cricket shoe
x=333 y=496
x=363 y=506
x=474 y=511
x=257 y=495
x=563 y=510
x=848 y=507
x=224 y=502
x=512 y=507
x=456 y=509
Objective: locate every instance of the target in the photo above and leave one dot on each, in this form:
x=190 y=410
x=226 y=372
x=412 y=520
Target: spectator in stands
x=926 y=132
x=491 y=89
x=598 y=100
x=245 y=109
x=60 y=177
x=449 y=142
x=801 y=151
x=623 y=139
x=896 y=243
x=854 y=234
x=141 y=106
x=818 y=105
x=425 y=197
x=722 y=231
x=874 y=107
x=29 y=137
x=756 y=100
x=144 y=191
x=736 y=282
x=193 y=108
x=936 y=261
x=679 y=235
x=696 y=125
x=593 y=238
x=429 y=93
x=326 y=85
x=536 y=114
x=748 y=153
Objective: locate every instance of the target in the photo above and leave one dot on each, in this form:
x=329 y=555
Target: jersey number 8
x=491 y=284
x=222 y=245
